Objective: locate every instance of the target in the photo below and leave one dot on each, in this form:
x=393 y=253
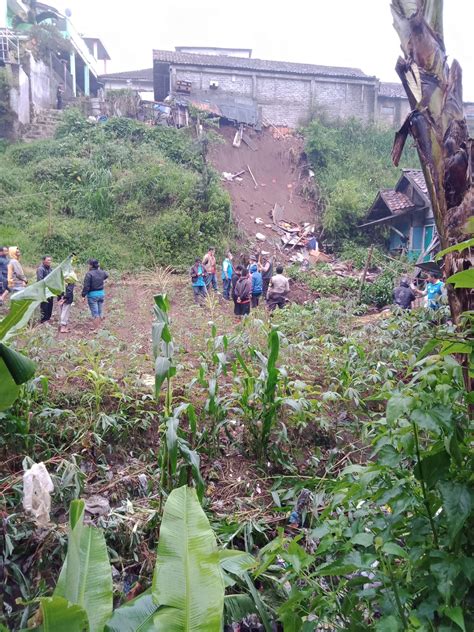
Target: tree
x=438 y=127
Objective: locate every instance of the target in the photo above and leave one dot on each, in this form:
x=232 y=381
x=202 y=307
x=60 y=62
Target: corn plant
x=163 y=349
x=258 y=396
x=215 y=362
x=173 y=442
x=180 y=464
x=15 y=368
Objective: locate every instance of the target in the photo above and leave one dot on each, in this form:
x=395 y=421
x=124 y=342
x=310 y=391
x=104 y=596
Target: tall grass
x=122 y=192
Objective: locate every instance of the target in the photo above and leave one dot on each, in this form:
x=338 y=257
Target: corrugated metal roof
x=145 y=75
x=231 y=109
x=242 y=63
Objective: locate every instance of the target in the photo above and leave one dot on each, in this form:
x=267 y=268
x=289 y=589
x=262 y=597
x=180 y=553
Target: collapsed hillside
x=282 y=175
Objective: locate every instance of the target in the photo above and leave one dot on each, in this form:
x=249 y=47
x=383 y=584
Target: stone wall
x=20 y=94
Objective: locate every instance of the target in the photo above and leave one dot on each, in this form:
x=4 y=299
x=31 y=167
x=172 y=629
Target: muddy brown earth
x=280 y=169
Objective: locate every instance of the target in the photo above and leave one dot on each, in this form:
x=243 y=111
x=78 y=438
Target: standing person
x=3 y=274
x=278 y=290
x=243 y=294
x=235 y=277
x=434 y=291
x=266 y=268
x=59 y=96
x=227 y=271
x=65 y=301
x=46 y=307
x=257 y=284
x=403 y=295
x=198 y=281
x=209 y=263
x=17 y=280
x=93 y=290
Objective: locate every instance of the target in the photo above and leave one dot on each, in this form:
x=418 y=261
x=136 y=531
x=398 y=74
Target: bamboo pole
x=253 y=177
x=364 y=274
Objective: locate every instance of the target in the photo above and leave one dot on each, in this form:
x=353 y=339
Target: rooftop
x=387 y=89
x=395 y=200
x=242 y=63
x=146 y=74
x=416 y=175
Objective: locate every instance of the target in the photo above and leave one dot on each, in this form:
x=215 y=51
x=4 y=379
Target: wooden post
x=364 y=274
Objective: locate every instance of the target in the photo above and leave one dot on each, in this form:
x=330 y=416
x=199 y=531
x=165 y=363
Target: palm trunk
x=438 y=128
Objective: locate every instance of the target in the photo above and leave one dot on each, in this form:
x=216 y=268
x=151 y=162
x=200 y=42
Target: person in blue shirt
x=257 y=284
x=227 y=271
x=434 y=291
x=198 y=275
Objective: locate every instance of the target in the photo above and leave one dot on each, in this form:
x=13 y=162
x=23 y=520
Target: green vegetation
x=377 y=292
x=122 y=192
x=301 y=471
x=352 y=162
x=371 y=419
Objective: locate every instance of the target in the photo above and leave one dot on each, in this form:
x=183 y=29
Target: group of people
x=406 y=293
x=13 y=279
x=245 y=284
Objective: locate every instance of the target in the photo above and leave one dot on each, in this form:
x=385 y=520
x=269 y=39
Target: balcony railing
x=9 y=46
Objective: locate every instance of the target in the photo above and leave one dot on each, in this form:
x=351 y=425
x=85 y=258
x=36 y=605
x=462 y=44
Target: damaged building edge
x=285 y=94
x=406 y=211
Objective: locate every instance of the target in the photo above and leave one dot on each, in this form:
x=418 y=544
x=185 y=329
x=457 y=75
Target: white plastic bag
x=37 y=487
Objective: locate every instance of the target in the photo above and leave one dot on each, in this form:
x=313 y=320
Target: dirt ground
x=278 y=166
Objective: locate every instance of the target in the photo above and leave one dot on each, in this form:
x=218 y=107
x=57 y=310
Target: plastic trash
x=37 y=488
x=97 y=506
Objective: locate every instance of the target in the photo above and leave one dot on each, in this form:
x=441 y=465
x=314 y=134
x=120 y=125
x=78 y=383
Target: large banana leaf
x=188 y=581
x=134 y=616
x=61 y=616
x=15 y=368
x=86 y=575
x=24 y=303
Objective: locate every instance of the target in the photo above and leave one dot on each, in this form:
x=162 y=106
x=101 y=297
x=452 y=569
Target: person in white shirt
x=278 y=290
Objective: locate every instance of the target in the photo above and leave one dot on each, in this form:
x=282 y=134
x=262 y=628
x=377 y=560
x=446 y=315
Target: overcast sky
x=357 y=33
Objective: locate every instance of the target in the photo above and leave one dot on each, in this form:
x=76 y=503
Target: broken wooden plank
x=238 y=137
x=253 y=177
x=277 y=213
x=249 y=142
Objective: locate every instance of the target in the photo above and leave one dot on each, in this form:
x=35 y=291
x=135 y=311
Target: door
x=161 y=80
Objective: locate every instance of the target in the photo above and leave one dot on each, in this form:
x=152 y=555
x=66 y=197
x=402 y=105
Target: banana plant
x=15 y=368
x=438 y=127
x=187 y=594
x=189 y=580
x=83 y=598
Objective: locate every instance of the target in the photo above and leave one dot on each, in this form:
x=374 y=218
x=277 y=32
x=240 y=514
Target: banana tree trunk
x=439 y=130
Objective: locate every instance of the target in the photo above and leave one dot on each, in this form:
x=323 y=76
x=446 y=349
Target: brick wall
x=288 y=100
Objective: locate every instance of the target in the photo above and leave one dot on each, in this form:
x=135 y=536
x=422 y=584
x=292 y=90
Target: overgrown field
x=126 y=194
x=256 y=414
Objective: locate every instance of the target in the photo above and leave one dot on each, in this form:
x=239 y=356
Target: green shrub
x=352 y=162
